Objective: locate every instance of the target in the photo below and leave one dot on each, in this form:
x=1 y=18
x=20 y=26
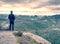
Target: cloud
x=35 y=5
x=18 y=1
x=10 y=1
x=54 y=2
x=41 y=3
x=22 y=3
x=53 y=7
x=57 y=8
x=49 y=3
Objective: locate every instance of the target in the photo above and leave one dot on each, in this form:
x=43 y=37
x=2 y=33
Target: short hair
x=11 y=11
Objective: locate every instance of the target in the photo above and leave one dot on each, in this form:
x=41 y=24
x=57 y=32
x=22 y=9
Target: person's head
x=11 y=12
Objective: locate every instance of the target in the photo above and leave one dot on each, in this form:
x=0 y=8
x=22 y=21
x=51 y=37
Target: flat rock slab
x=6 y=37
x=37 y=38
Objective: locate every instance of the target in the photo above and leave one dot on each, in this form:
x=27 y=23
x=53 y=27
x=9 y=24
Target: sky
x=30 y=7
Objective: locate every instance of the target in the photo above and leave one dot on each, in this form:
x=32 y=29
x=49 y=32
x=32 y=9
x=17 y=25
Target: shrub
x=19 y=33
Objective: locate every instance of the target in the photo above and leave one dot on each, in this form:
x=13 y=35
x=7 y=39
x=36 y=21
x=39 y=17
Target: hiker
x=11 y=18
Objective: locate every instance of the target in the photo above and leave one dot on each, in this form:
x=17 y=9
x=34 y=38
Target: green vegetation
x=46 y=26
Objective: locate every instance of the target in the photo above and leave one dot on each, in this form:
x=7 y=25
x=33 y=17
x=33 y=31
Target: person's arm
x=14 y=17
x=9 y=17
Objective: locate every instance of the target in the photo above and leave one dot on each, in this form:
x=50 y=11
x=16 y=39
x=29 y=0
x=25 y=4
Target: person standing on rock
x=11 y=18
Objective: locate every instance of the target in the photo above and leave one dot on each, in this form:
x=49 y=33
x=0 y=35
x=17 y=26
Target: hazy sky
x=40 y=7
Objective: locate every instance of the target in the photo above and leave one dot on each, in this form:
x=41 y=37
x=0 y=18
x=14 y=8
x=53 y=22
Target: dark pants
x=11 y=27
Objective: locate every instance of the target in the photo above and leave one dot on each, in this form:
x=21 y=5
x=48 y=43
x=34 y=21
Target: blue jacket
x=11 y=17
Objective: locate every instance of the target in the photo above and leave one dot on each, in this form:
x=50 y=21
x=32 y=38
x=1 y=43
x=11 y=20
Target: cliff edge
x=13 y=37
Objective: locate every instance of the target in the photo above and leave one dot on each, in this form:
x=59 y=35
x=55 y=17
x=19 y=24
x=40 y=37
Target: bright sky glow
x=30 y=7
